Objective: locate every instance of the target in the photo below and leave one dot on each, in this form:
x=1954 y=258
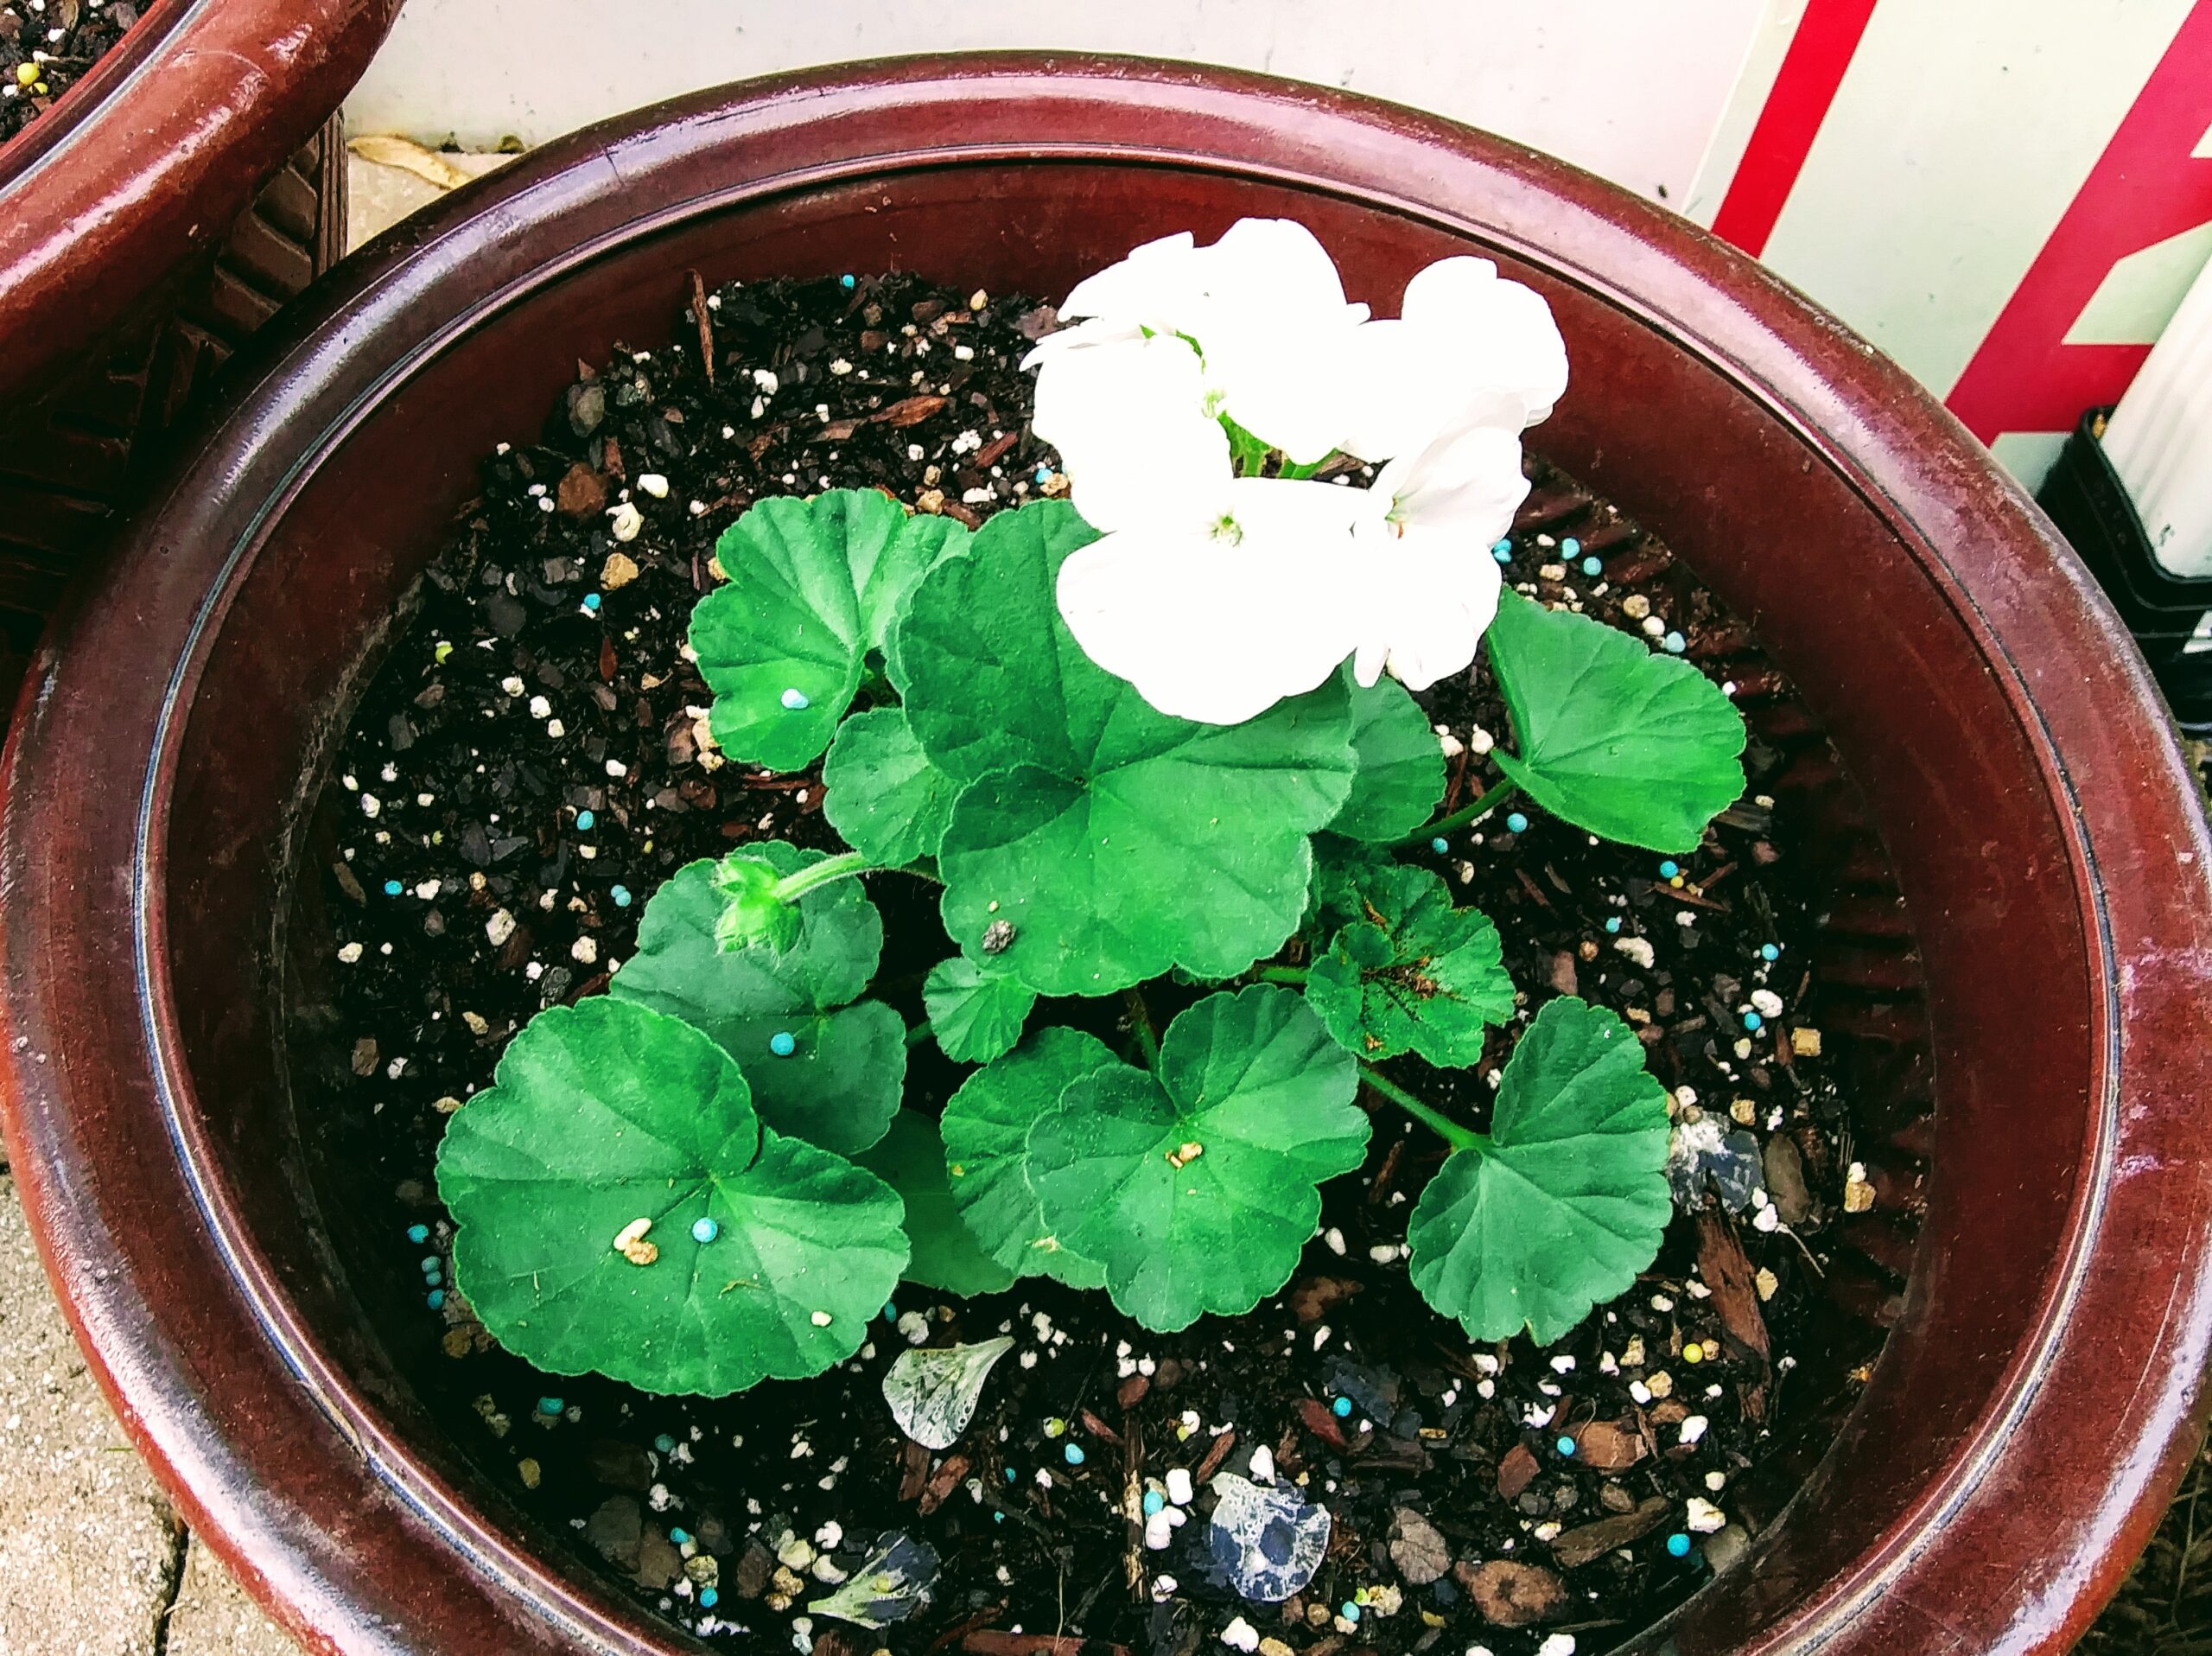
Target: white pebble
x=1638 y=949
x=1241 y=1634
x=1263 y=1465
x=350 y=953
x=819 y=1319
x=499 y=928
x=1767 y=1003
x=628 y=521
x=1694 y=1428
x=585 y=951
x=1702 y=1515
x=1179 y=1489
x=1558 y=1644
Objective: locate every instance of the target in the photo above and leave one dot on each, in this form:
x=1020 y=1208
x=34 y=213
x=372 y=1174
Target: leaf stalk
x=843 y=866
x=1465 y=814
x=1458 y=1137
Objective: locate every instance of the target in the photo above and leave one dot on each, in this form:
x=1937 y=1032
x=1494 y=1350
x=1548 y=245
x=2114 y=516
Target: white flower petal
x=1467 y=340
x=1127 y=415
x=1266 y=309
x=1158 y=278
x=1428 y=594
x=1428 y=582
x=1217 y=627
x=1468 y=481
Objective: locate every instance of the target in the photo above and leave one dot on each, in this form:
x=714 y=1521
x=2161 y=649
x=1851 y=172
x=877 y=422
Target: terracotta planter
x=149 y=221
x=2039 y=1391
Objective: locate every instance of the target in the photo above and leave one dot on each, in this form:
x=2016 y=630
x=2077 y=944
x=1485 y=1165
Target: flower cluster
x=1194 y=396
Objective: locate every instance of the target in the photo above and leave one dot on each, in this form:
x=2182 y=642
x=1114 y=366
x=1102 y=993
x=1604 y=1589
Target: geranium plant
x=1158 y=742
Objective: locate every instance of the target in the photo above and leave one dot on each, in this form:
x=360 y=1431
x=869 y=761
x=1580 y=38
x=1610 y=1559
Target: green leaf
x=881 y=793
x=839 y=1086
x=1341 y=868
x=976 y=1014
x=986 y=1127
x=1566 y=1199
x=1634 y=746
x=910 y=1158
x=1196 y=1188
x=1400 y=766
x=813 y=585
x=1116 y=842
x=604 y=1113
x=1415 y=975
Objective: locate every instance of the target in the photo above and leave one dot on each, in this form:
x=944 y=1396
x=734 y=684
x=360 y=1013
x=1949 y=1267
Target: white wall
x=1628 y=88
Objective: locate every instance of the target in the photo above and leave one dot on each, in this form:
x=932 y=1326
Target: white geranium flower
x=1215 y=615
x=1465 y=339
x=1264 y=310
x=1428 y=583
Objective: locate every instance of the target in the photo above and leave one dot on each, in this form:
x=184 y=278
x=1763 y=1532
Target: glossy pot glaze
x=157 y=214
x=140 y=169
x=2039 y=1392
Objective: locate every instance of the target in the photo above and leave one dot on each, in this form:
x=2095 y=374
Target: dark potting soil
x=58 y=40
x=529 y=764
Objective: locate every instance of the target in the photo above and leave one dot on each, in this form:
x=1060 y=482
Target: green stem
x=843 y=866
x=1464 y=815
x=918 y=1034
x=1141 y=1026
x=1458 y=1137
x=1279 y=974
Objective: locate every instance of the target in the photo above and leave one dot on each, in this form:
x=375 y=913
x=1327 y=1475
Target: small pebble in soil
x=419 y=1233
x=1515 y=823
x=1769 y=952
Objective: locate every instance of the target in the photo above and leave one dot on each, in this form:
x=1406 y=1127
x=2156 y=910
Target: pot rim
x=146 y=164
x=2102 y=754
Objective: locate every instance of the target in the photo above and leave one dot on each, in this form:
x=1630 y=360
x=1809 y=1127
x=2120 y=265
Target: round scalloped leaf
x=910 y=1158
x=1401 y=775
x=974 y=1014
x=813 y=585
x=839 y=1086
x=1415 y=975
x=606 y=1113
x=1196 y=1188
x=881 y=793
x=1116 y=842
x=1562 y=1204
x=986 y=1127
x=1634 y=746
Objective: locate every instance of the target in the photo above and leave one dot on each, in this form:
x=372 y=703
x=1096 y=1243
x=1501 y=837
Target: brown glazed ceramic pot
x=2039 y=1392
x=149 y=221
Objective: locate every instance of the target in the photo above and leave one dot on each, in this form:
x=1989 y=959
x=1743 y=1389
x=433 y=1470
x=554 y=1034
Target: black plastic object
x=2086 y=499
